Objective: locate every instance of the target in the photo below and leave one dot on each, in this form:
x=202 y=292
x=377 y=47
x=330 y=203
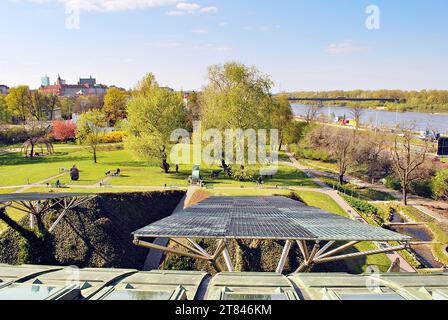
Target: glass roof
x=277 y=218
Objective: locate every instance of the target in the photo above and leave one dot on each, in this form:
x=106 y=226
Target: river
x=385 y=118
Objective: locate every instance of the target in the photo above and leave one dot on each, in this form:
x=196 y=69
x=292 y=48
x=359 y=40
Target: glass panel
x=242 y=296
x=370 y=296
x=138 y=295
x=27 y=292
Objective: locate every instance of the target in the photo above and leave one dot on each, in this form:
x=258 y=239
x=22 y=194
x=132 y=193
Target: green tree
x=67 y=106
x=236 y=97
x=38 y=106
x=439 y=185
x=153 y=114
x=115 y=102
x=281 y=118
x=5 y=115
x=90 y=130
x=19 y=102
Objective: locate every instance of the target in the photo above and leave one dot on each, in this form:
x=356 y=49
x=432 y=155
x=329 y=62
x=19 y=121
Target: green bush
x=439 y=185
x=422 y=188
x=13 y=135
x=392 y=183
x=311 y=154
x=245 y=175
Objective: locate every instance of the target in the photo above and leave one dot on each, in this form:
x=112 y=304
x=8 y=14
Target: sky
x=303 y=45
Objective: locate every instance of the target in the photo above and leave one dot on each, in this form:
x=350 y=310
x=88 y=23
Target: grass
x=359 y=192
x=14 y=214
x=7 y=190
x=16 y=170
x=322 y=201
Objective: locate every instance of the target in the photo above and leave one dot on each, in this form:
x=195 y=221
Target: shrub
x=422 y=188
x=64 y=130
x=439 y=185
x=311 y=154
x=113 y=137
x=245 y=174
x=13 y=135
x=392 y=183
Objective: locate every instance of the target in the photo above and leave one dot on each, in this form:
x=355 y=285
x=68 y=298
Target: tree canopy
x=236 y=97
x=90 y=130
x=115 y=102
x=153 y=114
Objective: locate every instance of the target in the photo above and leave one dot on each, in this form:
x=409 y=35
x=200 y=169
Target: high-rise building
x=45 y=81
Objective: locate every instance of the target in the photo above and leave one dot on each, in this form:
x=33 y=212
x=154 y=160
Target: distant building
x=87 y=81
x=45 y=81
x=4 y=89
x=85 y=87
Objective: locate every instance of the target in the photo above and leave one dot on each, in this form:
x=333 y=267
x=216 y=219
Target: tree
x=64 y=130
x=312 y=112
x=339 y=143
x=19 y=102
x=372 y=152
x=36 y=134
x=52 y=103
x=357 y=113
x=153 y=114
x=90 y=130
x=115 y=102
x=281 y=118
x=439 y=185
x=67 y=107
x=236 y=97
x=294 y=132
x=5 y=115
x=407 y=159
x=38 y=106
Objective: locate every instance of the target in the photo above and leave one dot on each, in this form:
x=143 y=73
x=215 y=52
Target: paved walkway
x=37 y=184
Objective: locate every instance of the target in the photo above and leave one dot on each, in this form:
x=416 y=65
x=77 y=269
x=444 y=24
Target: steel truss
x=317 y=255
x=40 y=207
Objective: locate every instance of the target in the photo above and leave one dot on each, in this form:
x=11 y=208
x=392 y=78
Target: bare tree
x=357 y=113
x=312 y=112
x=407 y=159
x=373 y=152
x=339 y=143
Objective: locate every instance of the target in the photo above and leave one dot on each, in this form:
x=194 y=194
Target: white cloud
x=106 y=5
x=199 y=31
x=346 y=47
x=175 y=13
x=169 y=45
x=209 y=10
x=183 y=8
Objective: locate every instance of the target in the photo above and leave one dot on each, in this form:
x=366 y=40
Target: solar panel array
x=278 y=218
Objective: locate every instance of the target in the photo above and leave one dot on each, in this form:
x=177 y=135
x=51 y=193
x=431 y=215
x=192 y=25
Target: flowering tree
x=64 y=130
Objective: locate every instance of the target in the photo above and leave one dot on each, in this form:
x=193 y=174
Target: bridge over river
x=321 y=100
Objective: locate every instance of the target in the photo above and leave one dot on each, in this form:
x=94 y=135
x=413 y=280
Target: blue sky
x=303 y=45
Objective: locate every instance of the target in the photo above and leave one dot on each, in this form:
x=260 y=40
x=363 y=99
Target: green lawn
x=13 y=214
x=322 y=201
x=17 y=170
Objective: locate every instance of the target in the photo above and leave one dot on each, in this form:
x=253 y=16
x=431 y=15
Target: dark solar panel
x=263 y=218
